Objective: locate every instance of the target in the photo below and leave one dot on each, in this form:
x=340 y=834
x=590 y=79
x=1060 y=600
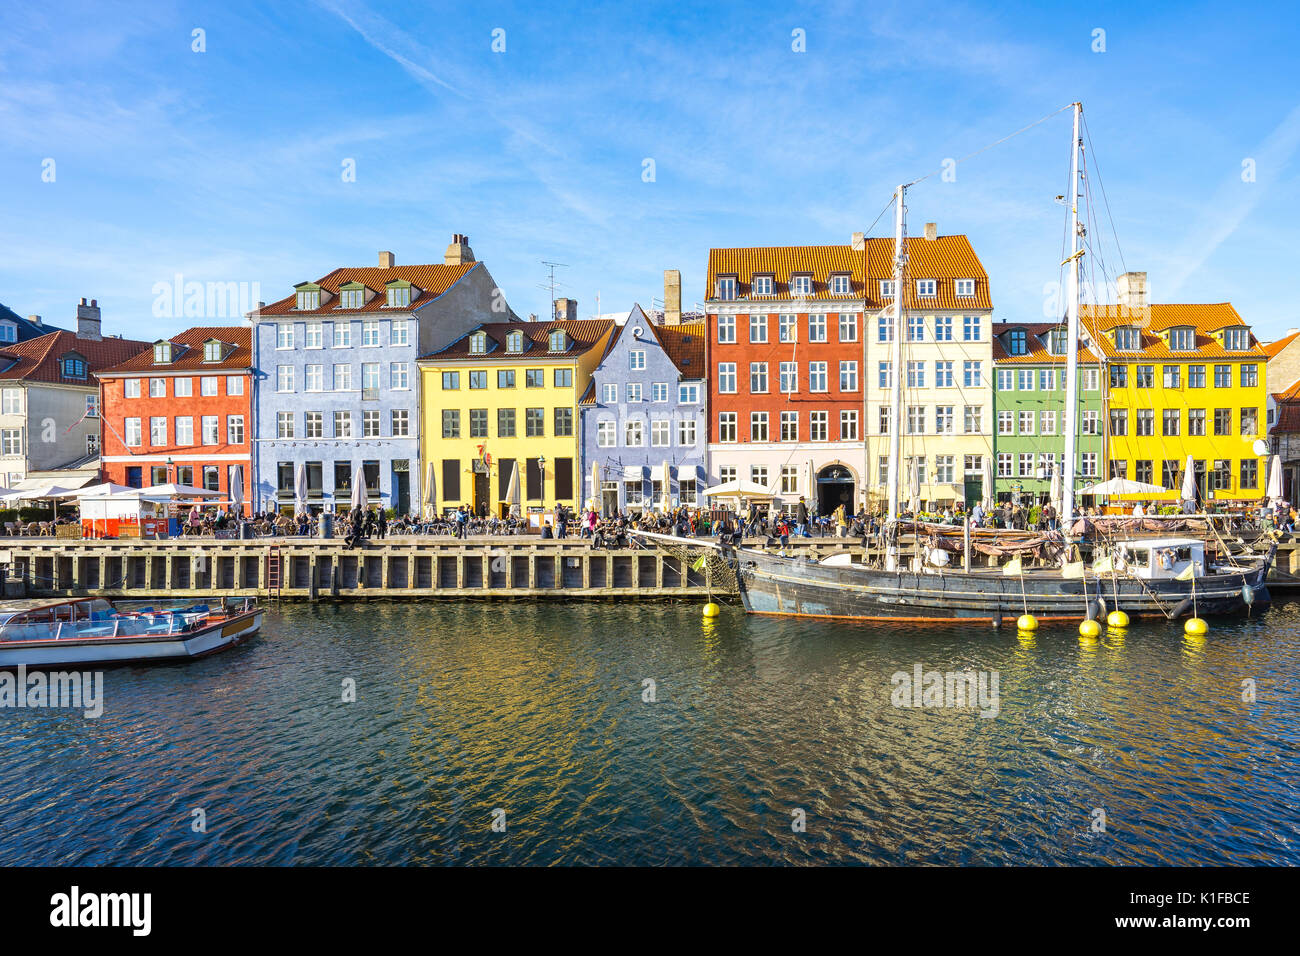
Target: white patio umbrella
x=1273 y=488
x=914 y=481
x=300 y=489
x=664 y=499
x=512 y=490
x=596 y=496
x=1122 y=486
x=237 y=488
x=1054 y=494
x=359 y=499
x=986 y=489
x=431 y=489
x=1189 y=480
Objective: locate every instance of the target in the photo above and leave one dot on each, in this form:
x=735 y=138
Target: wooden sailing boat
x=1162 y=577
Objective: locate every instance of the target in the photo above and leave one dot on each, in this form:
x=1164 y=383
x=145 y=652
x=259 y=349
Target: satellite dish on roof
x=636 y=332
x=1260 y=447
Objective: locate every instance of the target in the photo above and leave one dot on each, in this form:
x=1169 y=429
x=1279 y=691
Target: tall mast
x=1072 y=332
x=896 y=354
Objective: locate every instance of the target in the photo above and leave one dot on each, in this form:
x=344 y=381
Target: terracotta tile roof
x=1036 y=344
x=431 y=280
x=589 y=396
x=584 y=335
x=1271 y=349
x=1204 y=318
x=1292 y=394
x=187 y=353
x=684 y=346
x=1288 y=419
x=944 y=259
x=37 y=360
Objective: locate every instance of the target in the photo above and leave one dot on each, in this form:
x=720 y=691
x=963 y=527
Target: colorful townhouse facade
x=642 y=412
x=338 y=391
x=1029 y=364
x=1181 y=380
x=50 y=426
x=505 y=397
x=181 y=411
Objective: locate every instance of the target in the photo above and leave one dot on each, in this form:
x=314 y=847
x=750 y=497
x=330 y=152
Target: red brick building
x=181 y=412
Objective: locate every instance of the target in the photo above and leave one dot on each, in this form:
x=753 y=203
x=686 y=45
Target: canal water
x=639 y=734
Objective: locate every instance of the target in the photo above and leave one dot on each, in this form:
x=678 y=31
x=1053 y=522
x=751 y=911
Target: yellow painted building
x=505 y=396
x=1183 y=380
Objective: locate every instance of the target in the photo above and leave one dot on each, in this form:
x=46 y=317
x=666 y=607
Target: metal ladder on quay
x=274 y=573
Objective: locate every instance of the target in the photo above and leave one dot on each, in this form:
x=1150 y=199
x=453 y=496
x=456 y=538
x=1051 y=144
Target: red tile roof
x=584 y=335
x=1036 y=342
x=187 y=353
x=944 y=259
x=37 y=360
x=1288 y=419
x=684 y=346
x=431 y=280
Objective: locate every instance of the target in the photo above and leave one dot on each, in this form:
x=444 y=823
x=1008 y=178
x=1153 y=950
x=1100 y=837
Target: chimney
x=88 y=321
x=859 y=241
x=458 y=253
x=931 y=232
x=34 y=319
x=672 y=297
x=1131 y=290
x=386 y=260
x=566 y=309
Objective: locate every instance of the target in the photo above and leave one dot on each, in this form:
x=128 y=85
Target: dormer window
x=887 y=288
x=1182 y=339
x=73 y=366
x=162 y=353
x=352 y=296
x=478 y=343
x=515 y=342
x=1128 y=339
x=1236 y=340
x=1056 y=342
x=762 y=285
x=399 y=296
x=726 y=287
x=926 y=287
x=840 y=284
x=308 y=299
x=213 y=351
x=801 y=284
x=559 y=341
x=8 y=332
x=965 y=288
x=1017 y=342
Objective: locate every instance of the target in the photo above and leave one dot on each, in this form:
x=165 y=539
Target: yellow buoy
x=1027 y=622
x=1195 y=626
x=712 y=610
x=1089 y=629
x=1117 y=619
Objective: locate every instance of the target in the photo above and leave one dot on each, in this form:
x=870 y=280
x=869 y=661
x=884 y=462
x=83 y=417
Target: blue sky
x=226 y=165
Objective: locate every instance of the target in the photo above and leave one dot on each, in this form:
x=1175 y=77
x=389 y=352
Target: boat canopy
x=1163 y=558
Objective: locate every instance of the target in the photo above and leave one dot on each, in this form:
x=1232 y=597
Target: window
x=757 y=329
x=633 y=434
x=886 y=416
x=315 y=378
x=1182 y=339
x=973 y=420
x=370 y=424
x=478 y=343
x=1119 y=376
x=1236 y=340
x=1172 y=376
x=1249 y=376
x=926 y=287
x=818 y=426
x=1088 y=464
x=183 y=387
x=92 y=406
x=965 y=288
x=916 y=374
x=505 y=423
x=789 y=426
x=816 y=328
x=972 y=374
x=234 y=429
x=563 y=378
x=762 y=285
x=563 y=422
x=1144 y=422
x=1144 y=376
x=1196 y=376
x=943 y=328
x=534 y=377
x=398 y=297
x=686 y=432
x=787 y=328
x=1223 y=376
x=660 y=433
x=915 y=419
x=1119 y=421
x=606 y=434
x=343 y=335
x=1006 y=423
x=659 y=391
x=916 y=328
x=131 y=387
x=634 y=391
x=727 y=427
x=1004 y=465
x=450 y=381
x=758 y=426
x=848 y=326
x=1196 y=421
x=727 y=378
x=558 y=341
x=972 y=328
x=314 y=425
x=636 y=360
x=451 y=423
x=944 y=468
x=801 y=284
x=1144 y=472
x=848 y=424
x=1249 y=422
x=1091 y=424
x=342 y=378
x=1025 y=463
x=133 y=438
x=943 y=375
x=283 y=426
x=1047 y=379
x=848 y=376
x=609 y=394
x=478 y=423
x=1128 y=339
x=314 y=335
x=342 y=424
x=13 y=401
x=1171 y=421
x=1091 y=380
x=11 y=441
x=726 y=329
x=162 y=353
x=840 y=285
x=887 y=288
x=789 y=377
x=534 y=423
x=283 y=335
x=478 y=378
x=1249 y=473
x=885 y=373
x=284 y=378
x=351 y=298
x=514 y=342
x=1017 y=340
x=399 y=332
x=185 y=428
x=817 y=377
x=789 y=480
x=209 y=424
x=885 y=327
x=505 y=378
x=208 y=386
x=370 y=334
x=1005 y=379
x=1223 y=421
x=1026 y=423
x=234 y=385
x=688 y=393
x=1025 y=380
x=158 y=432
x=944 y=420
x=758 y=475
x=1056 y=343
x=400 y=422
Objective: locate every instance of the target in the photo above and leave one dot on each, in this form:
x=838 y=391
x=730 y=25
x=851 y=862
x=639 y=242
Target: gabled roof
x=187 y=353
x=37 y=360
x=431 y=280
x=583 y=335
x=1036 y=344
x=26 y=328
x=944 y=259
x=1272 y=349
x=1204 y=318
x=684 y=346
x=1288 y=419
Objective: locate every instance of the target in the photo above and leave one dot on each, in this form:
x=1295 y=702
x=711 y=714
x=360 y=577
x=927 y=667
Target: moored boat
x=36 y=634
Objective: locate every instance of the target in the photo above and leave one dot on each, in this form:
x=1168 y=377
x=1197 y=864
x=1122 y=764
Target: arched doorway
x=835 y=487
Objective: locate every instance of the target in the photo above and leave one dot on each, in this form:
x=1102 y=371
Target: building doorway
x=401 y=487
x=834 y=488
x=609 y=498
x=482 y=491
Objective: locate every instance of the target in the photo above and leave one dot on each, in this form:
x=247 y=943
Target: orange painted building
x=182 y=412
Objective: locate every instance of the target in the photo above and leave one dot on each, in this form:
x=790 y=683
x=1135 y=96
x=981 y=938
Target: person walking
x=801 y=519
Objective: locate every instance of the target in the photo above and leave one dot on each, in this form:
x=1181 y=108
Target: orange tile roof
x=1206 y=318
x=585 y=334
x=187 y=353
x=944 y=259
x=1036 y=343
x=684 y=346
x=1292 y=394
x=37 y=360
x=431 y=280
x=1271 y=349
x=1288 y=419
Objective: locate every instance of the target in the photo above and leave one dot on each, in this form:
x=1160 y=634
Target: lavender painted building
x=645 y=406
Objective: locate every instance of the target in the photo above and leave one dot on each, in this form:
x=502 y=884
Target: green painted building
x=1029 y=360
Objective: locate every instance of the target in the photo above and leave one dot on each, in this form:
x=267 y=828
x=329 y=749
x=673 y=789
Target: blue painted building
x=645 y=406
x=337 y=389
